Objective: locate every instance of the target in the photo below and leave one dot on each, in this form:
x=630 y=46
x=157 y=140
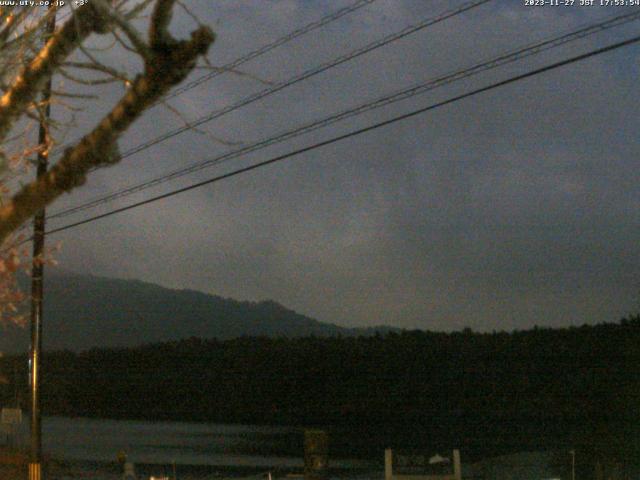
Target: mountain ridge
x=86 y=311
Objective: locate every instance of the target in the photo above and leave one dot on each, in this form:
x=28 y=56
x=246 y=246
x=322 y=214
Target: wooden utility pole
x=35 y=457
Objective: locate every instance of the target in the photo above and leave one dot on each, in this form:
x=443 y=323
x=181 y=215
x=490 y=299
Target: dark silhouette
x=486 y=393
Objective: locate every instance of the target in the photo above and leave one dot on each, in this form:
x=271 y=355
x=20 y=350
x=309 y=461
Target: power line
x=354 y=133
x=308 y=74
x=512 y=56
x=303 y=76
x=234 y=64
x=270 y=46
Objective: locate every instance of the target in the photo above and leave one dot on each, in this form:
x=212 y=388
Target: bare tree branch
x=100 y=67
x=170 y=62
x=33 y=76
x=137 y=42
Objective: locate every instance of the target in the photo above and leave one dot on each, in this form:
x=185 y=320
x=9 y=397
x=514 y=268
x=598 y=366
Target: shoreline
x=13 y=466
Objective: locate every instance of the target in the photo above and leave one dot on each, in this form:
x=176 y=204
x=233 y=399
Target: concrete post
x=457 y=467
x=316 y=455
x=388 y=464
x=129 y=471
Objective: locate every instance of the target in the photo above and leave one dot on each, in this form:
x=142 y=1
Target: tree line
x=488 y=393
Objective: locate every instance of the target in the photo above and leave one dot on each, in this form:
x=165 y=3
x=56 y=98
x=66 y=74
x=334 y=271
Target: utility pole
x=573 y=464
x=35 y=457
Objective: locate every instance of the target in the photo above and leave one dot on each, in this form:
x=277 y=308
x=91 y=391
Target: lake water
x=193 y=444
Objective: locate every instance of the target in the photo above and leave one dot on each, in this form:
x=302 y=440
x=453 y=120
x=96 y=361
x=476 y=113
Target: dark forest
x=488 y=393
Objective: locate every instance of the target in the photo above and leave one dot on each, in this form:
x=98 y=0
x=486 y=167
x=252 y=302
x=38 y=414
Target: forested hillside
x=497 y=392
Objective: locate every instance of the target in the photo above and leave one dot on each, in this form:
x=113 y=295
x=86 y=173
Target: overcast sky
x=513 y=208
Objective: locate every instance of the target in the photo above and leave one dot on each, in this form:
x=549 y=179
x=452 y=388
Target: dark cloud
x=513 y=208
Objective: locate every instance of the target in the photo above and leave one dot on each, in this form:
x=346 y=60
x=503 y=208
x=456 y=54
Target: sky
x=512 y=208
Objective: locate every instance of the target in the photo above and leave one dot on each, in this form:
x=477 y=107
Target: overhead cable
x=354 y=133
x=306 y=75
x=495 y=62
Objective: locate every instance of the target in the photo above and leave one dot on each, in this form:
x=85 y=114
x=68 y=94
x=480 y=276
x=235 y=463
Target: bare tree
x=28 y=61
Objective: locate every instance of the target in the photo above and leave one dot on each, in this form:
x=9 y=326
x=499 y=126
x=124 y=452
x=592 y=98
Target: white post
x=129 y=471
x=457 y=467
x=573 y=464
x=388 y=464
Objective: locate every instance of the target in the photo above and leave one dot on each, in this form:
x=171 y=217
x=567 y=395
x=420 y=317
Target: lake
x=229 y=447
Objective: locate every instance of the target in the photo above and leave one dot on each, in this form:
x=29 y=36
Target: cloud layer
x=512 y=208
